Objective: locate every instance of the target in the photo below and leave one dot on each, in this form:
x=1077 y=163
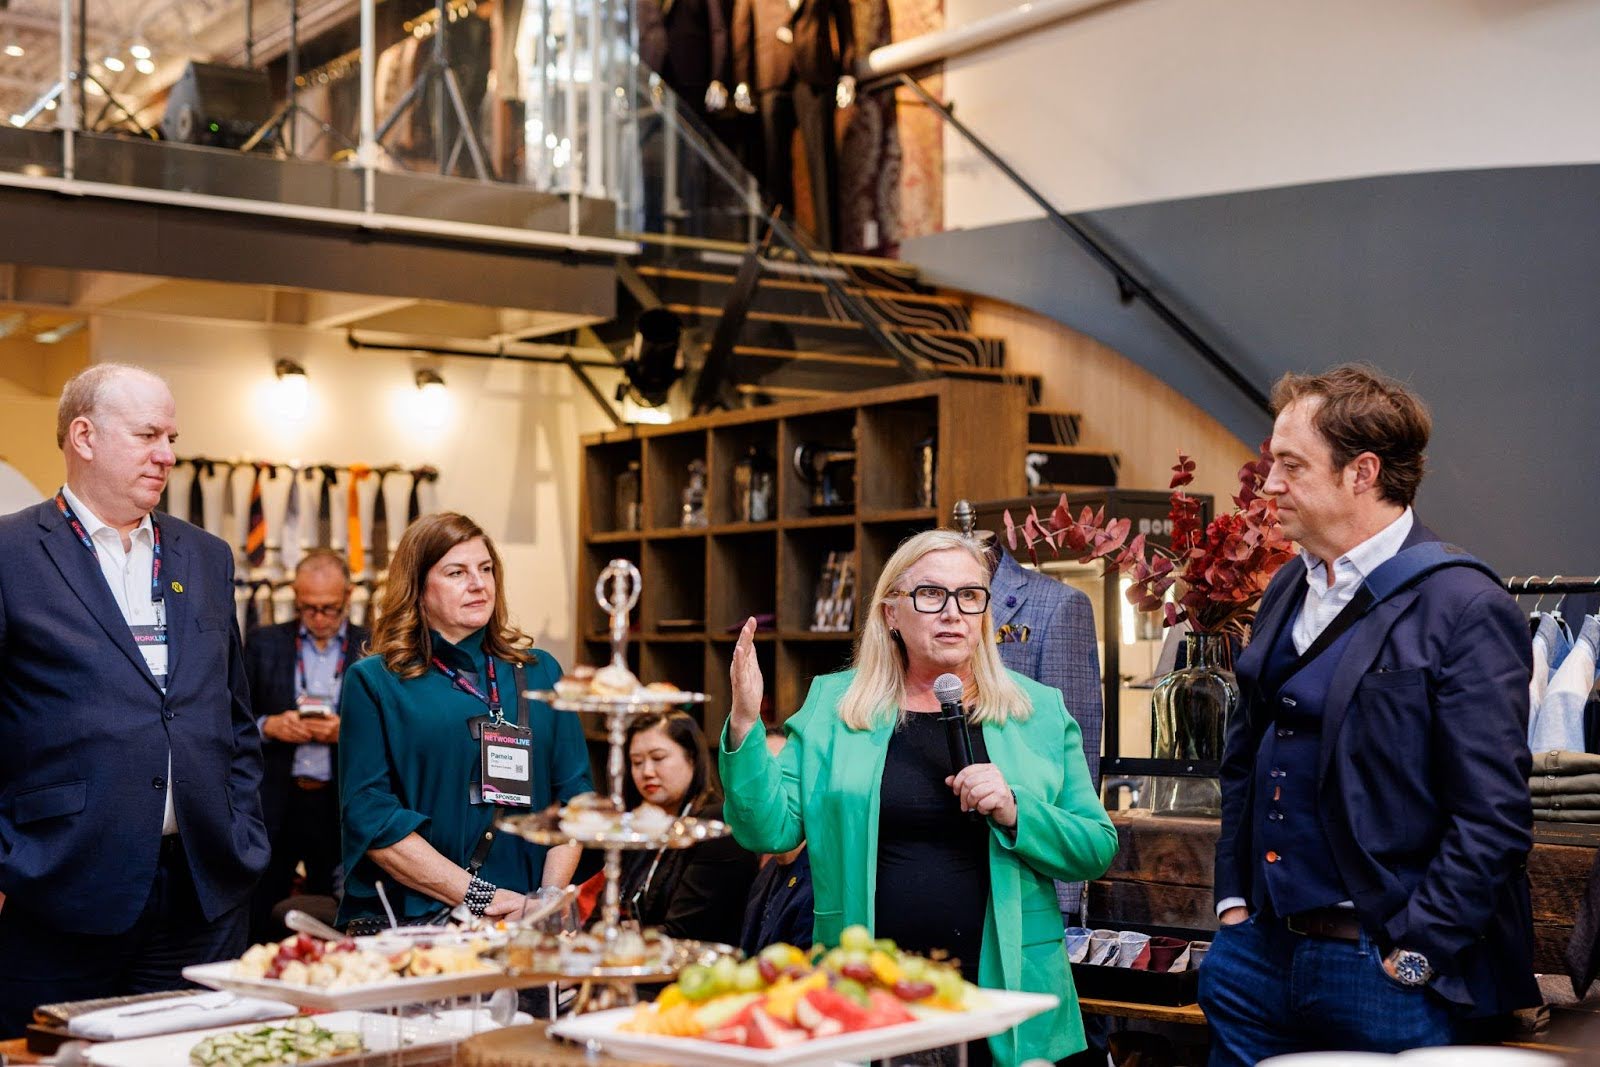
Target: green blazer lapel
x=1009 y=752
x=856 y=767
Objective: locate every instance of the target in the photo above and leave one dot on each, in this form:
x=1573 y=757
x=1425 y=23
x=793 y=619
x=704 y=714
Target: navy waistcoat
x=1295 y=869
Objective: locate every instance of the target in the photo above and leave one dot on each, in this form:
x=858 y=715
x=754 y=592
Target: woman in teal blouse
x=868 y=782
x=409 y=762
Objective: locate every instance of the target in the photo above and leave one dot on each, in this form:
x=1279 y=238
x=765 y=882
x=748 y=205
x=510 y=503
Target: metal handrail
x=1129 y=286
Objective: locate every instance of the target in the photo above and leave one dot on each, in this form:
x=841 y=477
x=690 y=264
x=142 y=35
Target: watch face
x=1412 y=968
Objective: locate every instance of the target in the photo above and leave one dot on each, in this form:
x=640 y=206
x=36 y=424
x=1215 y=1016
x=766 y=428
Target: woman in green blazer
x=865 y=774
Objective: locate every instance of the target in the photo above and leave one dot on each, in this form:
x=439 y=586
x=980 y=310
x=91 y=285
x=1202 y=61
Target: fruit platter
x=863 y=1000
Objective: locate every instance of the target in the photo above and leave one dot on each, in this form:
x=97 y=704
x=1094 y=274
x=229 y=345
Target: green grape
x=855 y=938
x=914 y=968
x=748 y=979
x=854 y=990
x=725 y=974
x=884 y=944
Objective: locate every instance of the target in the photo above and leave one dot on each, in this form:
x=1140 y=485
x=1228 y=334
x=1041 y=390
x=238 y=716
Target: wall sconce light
x=434 y=400
x=294 y=391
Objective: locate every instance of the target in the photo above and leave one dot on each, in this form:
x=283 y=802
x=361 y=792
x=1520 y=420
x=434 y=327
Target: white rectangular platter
x=379 y=1033
x=934 y=1029
x=351 y=998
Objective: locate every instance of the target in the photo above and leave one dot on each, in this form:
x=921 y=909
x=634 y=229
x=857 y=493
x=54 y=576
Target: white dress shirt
x=127 y=573
x=1324 y=602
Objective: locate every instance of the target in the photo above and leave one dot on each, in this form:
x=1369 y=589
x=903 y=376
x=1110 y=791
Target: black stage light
x=655 y=361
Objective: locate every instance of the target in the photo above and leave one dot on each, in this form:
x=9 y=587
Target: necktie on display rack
x=414 y=501
x=197 y=496
x=325 y=506
x=289 y=536
x=357 y=555
x=255 y=539
x=380 y=526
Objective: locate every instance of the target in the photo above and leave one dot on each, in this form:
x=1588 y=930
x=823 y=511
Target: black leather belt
x=1335 y=924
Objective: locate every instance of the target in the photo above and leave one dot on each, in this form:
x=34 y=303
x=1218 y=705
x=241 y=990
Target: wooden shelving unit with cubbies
x=701 y=583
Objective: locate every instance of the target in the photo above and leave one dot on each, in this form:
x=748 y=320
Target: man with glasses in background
x=295 y=671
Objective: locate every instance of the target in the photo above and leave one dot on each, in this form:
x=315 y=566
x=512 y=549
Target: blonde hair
x=878 y=692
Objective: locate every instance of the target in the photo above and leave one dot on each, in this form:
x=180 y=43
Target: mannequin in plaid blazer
x=1046 y=631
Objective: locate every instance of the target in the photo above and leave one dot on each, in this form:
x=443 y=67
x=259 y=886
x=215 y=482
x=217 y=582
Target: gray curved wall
x=1481 y=288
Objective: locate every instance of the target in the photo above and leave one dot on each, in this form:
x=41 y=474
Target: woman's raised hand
x=745 y=675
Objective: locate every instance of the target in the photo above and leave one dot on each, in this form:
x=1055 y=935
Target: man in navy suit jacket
x=1371 y=872
x=297 y=667
x=130 y=825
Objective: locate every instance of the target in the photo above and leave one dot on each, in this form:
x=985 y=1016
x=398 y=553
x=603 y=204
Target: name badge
x=786 y=35
x=151 y=640
x=506 y=758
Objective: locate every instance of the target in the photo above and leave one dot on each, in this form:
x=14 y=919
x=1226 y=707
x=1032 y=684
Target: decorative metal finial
x=617 y=591
x=965 y=518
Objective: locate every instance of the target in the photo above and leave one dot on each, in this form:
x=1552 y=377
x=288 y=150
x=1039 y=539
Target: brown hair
x=684 y=732
x=400 y=633
x=1364 y=410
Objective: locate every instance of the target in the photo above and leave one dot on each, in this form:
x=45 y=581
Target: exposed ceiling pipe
x=928 y=48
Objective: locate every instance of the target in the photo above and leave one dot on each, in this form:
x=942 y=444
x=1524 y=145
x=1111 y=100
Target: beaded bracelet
x=479 y=895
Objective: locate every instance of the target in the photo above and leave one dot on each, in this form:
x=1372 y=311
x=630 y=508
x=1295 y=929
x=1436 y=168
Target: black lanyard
x=465 y=684
x=88 y=542
x=300 y=661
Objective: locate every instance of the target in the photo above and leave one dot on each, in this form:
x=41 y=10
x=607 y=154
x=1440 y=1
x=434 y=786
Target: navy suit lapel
x=1007 y=590
x=1264 y=634
x=81 y=570
x=174 y=576
x=1367 y=638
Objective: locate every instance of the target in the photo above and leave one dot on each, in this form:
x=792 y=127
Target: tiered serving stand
x=617 y=591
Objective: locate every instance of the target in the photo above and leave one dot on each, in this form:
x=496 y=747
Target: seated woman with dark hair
x=697 y=892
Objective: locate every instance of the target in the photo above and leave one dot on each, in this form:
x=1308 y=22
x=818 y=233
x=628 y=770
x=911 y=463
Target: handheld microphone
x=949 y=691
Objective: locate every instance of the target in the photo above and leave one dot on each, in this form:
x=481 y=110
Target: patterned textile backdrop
x=891 y=148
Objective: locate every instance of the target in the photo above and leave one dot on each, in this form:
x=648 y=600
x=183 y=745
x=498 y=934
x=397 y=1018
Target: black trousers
x=40 y=964
x=310 y=835
x=810 y=108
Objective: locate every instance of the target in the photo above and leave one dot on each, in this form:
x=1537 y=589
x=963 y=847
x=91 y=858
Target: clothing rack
x=426 y=472
x=336 y=69
x=1559 y=583
x=342 y=66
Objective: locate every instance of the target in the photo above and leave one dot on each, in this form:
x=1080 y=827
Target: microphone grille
x=948 y=688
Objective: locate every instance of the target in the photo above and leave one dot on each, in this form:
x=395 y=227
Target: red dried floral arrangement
x=1220 y=569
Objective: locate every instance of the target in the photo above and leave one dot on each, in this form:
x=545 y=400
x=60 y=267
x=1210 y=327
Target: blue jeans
x=1269 y=992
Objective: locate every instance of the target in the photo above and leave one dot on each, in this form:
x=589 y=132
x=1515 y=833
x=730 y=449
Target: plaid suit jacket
x=1061 y=651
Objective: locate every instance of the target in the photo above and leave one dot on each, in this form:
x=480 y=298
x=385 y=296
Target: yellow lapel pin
x=177 y=587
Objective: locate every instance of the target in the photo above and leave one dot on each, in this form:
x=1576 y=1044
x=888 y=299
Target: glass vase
x=1189 y=716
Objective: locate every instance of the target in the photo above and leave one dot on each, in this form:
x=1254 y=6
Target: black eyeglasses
x=930 y=599
x=328 y=610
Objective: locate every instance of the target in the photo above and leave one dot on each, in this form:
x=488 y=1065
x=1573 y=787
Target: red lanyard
x=88 y=542
x=463 y=683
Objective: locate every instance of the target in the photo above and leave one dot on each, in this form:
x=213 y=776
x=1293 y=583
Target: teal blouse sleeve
x=373 y=814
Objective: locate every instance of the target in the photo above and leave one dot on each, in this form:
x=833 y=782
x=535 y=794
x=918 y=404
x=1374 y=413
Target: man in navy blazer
x=1371 y=872
x=296 y=671
x=130 y=826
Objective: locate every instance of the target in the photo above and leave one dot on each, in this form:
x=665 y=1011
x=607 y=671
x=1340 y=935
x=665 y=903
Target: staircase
x=800 y=337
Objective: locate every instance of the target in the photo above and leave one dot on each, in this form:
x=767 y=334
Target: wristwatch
x=1410 y=968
